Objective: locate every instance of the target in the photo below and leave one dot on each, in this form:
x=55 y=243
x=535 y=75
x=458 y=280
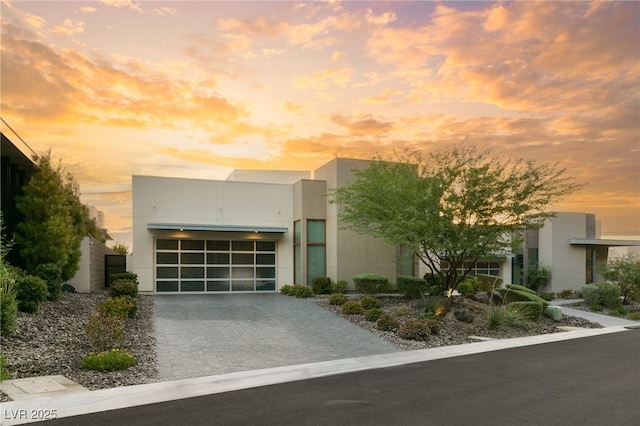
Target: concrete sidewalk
x=604 y=320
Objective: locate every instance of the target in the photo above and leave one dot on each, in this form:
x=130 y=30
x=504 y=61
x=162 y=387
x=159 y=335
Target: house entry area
x=210 y=266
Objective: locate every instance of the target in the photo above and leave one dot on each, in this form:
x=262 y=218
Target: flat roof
x=599 y=242
x=216 y=228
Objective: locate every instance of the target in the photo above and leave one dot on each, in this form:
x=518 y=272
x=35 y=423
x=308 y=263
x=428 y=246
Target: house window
x=316 y=249
x=485 y=267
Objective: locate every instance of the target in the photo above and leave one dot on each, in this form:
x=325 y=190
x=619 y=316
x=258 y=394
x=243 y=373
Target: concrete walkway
x=202 y=335
x=604 y=320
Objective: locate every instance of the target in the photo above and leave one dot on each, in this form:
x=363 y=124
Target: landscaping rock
x=463 y=315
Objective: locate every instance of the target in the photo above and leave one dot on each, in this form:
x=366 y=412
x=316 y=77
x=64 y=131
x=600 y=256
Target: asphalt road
x=588 y=381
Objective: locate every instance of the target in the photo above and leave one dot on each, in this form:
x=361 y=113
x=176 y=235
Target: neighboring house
x=259 y=230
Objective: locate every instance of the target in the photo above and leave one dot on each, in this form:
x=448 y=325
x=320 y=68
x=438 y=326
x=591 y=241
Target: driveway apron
x=201 y=335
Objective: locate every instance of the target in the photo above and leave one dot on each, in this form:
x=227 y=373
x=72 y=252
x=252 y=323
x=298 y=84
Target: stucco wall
x=90 y=275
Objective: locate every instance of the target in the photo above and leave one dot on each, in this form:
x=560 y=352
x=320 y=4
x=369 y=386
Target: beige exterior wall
x=288 y=177
x=90 y=275
x=209 y=202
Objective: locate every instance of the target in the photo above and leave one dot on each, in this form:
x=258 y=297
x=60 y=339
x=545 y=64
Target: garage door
x=209 y=266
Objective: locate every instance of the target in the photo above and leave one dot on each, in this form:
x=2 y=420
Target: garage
x=214 y=265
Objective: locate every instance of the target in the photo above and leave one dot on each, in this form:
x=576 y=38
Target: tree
x=625 y=273
x=54 y=219
x=458 y=206
x=120 y=248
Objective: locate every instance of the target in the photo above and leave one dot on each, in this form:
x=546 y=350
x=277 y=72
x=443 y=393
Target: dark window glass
x=315 y=231
x=217 y=285
x=192 y=258
x=217 y=245
x=242 y=245
x=218 y=272
x=265 y=259
x=191 y=272
x=192 y=245
x=265 y=246
x=167 y=258
x=167 y=286
x=192 y=286
x=241 y=272
x=265 y=272
x=242 y=259
x=167 y=244
x=218 y=258
x=265 y=285
x=166 y=272
x=244 y=285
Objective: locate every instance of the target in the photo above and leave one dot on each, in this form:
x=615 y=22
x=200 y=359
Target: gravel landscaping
x=53 y=341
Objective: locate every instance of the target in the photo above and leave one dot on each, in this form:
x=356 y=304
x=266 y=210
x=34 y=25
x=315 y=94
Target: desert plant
x=287 y=289
x=369 y=302
x=514 y=293
x=339 y=286
x=625 y=273
x=437 y=304
x=502 y=316
x=387 y=323
x=104 y=330
x=321 y=285
x=303 y=291
x=4 y=371
x=414 y=330
x=538 y=277
x=337 y=299
x=548 y=296
x=635 y=316
x=401 y=311
x=124 y=287
x=618 y=311
x=604 y=294
x=468 y=285
x=122 y=307
x=51 y=273
x=373 y=314
x=8 y=310
x=371 y=284
x=115 y=359
x=123 y=276
x=411 y=287
x=351 y=307
x=530 y=311
x=565 y=294
x=30 y=292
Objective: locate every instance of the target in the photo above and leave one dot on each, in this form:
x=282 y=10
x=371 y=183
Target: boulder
x=463 y=315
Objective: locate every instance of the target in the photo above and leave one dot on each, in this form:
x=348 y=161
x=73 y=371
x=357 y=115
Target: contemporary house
x=259 y=230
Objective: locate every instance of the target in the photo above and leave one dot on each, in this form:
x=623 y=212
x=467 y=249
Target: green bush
x=596 y=308
x=625 y=273
x=502 y=316
x=351 y=307
x=618 y=311
x=603 y=294
x=565 y=294
x=51 y=273
x=124 y=287
x=321 y=285
x=337 y=299
x=401 y=311
x=4 y=372
x=548 y=296
x=123 y=276
x=434 y=283
x=339 y=287
x=411 y=287
x=635 y=316
x=373 y=314
x=530 y=311
x=8 y=311
x=115 y=359
x=538 y=277
x=288 y=289
x=418 y=329
x=303 y=291
x=488 y=282
x=30 y=292
x=104 y=330
x=387 y=323
x=371 y=284
x=369 y=302
x=468 y=285
x=122 y=307
x=515 y=293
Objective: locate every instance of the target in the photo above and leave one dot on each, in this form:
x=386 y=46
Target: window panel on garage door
x=215 y=265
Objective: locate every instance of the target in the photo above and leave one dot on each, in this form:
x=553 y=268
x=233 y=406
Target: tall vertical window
x=316 y=249
x=297 y=253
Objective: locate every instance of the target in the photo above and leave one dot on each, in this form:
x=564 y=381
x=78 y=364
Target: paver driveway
x=200 y=335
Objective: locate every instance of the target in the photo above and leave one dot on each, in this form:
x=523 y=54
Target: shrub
x=8 y=303
x=538 y=278
x=548 y=296
x=124 y=287
x=387 y=323
x=415 y=330
x=371 y=284
x=437 y=304
x=121 y=307
x=604 y=294
x=596 y=308
x=337 y=299
x=618 y=311
x=30 y=292
x=321 y=285
x=373 y=314
x=339 y=287
x=104 y=331
x=401 y=311
x=625 y=273
x=369 y=302
x=514 y=293
x=502 y=316
x=469 y=285
x=123 y=276
x=51 y=273
x=115 y=359
x=488 y=282
x=411 y=287
x=351 y=307
x=4 y=372
x=565 y=294
x=303 y=291
x=635 y=316
x=287 y=289
x=434 y=283
x=530 y=311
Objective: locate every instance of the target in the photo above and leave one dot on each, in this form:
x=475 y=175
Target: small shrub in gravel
x=604 y=294
x=8 y=310
x=411 y=287
x=369 y=302
x=337 y=299
x=373 y=314
x=371 y=284
x=351 y=307
x=4 y=372
x=51 y=273
x=124 y=288
x=104 y=330
x=414 y=330
x=321 y=285
x=635 y=316
x=115 y=359
x=303 y=291
x=30 y=292
x=121 y=307
x=387 y=323
x=339 y=286
x=402 y=311
x=287 y=289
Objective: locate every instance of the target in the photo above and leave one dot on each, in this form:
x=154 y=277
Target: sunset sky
x=198 y=88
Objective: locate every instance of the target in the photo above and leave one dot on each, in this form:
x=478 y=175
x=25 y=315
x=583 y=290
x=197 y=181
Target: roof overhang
x=215 y=228
x=599 y=242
